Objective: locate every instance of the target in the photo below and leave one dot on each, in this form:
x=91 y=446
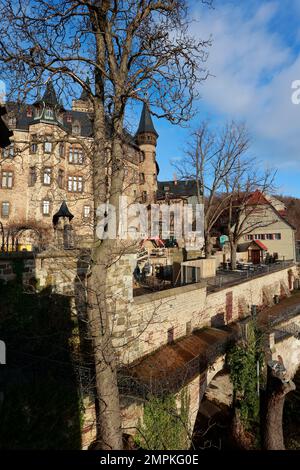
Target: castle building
x=50 y=161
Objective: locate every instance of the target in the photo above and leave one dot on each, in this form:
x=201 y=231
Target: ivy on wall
x=242 y=361
x=164 y=426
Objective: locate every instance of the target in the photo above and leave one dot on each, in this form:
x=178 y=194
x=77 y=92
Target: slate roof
x=24 y=121
x=50 y=95
x=181 y=188
x=146 y=123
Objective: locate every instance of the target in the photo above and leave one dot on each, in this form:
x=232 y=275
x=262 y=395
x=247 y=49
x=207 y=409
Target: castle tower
x=48 y=108
x=83 y=104
x=146 y=138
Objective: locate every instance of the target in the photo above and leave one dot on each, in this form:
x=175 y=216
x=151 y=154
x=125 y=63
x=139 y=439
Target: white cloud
x=254 y=69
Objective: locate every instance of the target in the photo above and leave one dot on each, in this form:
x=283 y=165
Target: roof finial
x=50 y=94
x=84 y=94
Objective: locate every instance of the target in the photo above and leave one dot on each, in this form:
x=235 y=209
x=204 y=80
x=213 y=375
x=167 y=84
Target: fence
x=231 y=278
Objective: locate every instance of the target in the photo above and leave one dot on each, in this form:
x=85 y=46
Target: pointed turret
x=146 y=138
x=146 y=124
x=63 y=212
x=50 y=97
x=84 y=103
x=48 y=108
x=84 y=94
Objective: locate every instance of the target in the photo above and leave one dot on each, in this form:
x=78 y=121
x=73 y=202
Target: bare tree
x=211 y=159
x=245 y=189
x=129 y=48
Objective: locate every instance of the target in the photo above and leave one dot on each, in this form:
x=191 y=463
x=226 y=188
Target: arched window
x=49 y=113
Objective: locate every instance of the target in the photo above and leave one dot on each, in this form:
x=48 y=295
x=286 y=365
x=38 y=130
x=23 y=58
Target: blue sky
x=254 y=58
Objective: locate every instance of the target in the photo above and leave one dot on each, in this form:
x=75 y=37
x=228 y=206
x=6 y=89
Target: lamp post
x=64 y=214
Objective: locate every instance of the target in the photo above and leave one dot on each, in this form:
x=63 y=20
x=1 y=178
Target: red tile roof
x=261 y=245
x=257 y=198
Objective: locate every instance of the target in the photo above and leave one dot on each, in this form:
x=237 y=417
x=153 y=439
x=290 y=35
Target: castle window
x=48 y=147
x=47 y=174
x=49 y=114
x=12 y=121
x=5 y=208
x=7 y=179
x=62 y=150
x=144 y=196
x=69 y=117
x=33 y=144
x=86 y=212
x=142 y=178
x=75 y=184
x=46 y=207
x=32 y=176
x=29 y=111
x=60 y=178
x=75 y=155
x=154 y=178
x=9 y=152
x=142 y=157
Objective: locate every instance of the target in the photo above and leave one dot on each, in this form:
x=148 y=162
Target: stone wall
x=153 y=318
x=142 y=324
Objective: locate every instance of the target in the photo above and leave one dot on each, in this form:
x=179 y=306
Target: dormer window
x=76 y=128
x=9 y=152
x=49 y=113
x=37 y=112
x=12 y=121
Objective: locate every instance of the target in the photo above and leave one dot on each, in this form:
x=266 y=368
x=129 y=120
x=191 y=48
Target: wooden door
x=255 y=256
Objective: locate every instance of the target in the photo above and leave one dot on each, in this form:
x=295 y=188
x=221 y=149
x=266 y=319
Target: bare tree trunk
x=109 y=435
x=233 y=250
x=243 y=439
x=272 y=422
x=207 y=246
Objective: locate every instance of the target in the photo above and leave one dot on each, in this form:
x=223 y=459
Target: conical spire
x=146 y=123
x=84 y=94
x=50 y=95
x=62 y=212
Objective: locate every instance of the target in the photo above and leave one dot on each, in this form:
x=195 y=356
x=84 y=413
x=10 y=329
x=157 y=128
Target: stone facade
x=50 y=160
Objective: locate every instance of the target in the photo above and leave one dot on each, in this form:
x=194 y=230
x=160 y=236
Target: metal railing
x=228 y=278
